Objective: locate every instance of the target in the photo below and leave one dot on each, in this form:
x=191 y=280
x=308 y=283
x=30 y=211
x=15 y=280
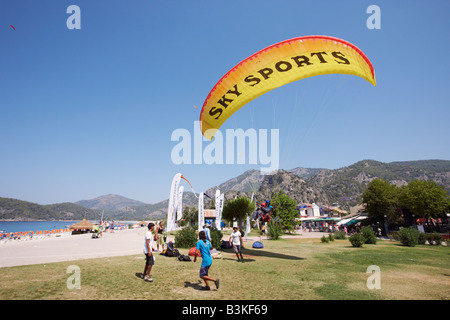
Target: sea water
x=23 y=226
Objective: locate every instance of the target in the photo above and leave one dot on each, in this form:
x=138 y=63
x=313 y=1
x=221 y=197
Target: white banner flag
x=217 y=201
x=201 y=218
x=222 y=196
x=172 y=202
x=180 y=203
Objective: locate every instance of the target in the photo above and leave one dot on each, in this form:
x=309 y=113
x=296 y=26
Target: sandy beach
x=76 y=247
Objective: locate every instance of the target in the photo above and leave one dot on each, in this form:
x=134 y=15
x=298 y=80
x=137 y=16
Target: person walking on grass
x=236 y=241
x=204 y=247
x=149 y=259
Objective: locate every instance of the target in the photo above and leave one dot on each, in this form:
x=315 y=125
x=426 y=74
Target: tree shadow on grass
x=264 y=253
x=235 y=259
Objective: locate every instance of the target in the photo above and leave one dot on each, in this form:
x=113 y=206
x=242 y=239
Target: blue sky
x=90 y=112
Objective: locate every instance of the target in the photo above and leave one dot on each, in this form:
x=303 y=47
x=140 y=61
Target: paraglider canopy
x=275 y=66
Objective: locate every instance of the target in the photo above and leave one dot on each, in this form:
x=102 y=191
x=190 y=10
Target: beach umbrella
x=84 y=224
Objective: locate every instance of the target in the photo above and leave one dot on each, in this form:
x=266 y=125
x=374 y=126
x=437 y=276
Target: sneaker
x=217 y=283
x=148 y=278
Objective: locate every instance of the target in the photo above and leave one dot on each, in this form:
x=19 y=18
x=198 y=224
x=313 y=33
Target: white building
x=310 y=210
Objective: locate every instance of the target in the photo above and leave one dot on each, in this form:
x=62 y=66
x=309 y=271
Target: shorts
x=237 y=248
x=149 y=261
x=204 y=271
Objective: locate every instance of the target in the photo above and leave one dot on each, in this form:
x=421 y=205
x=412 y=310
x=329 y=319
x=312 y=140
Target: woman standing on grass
x=159 y=236
x=204 y=246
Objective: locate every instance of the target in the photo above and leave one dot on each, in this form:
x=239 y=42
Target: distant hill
x=156 y=211
x=250 y=180
x=296 y=187
x=18 y=210
x=305 y=173
x=345 y=185
x=247 y=182
x=109 y=202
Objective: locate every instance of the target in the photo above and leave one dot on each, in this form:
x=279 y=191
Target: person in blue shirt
x=204 y=247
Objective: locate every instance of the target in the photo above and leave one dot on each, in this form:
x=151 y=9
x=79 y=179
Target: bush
x=429 y=238
x=393 y=235
x=274 y=230
x=331 y=237
x=324 y=239
x=409 y=236
x=183 y=223
x=216 y=237
x=422 y=238
x=186 y=238
x=369 y=235
x=437 y=237
x=357 y=240
x=340 y=235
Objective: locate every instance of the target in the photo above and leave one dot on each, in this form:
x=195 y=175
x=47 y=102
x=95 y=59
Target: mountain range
x=109 y=202
x=341 y=186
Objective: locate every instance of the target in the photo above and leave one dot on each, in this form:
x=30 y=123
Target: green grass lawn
x=284 y=269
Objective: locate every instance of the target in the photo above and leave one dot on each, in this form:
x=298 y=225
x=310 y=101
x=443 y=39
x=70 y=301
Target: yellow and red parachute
x=277 y=65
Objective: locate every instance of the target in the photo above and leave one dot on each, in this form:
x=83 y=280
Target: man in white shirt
x=236 y=241
x=149 y=259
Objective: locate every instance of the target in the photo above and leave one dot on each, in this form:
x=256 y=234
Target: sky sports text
x=228 y=148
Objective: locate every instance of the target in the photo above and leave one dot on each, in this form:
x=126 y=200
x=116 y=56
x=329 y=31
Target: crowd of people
x=310 y=227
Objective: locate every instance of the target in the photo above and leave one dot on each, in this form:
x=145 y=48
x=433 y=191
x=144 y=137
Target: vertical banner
x=172 y=202
x=201 y=218
x=217 y=201
x=180 y=203
x=222 y=199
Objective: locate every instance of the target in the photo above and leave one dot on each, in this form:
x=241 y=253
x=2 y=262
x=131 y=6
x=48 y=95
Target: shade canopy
x=325 y=219
x=84 y=224
x=351 y=221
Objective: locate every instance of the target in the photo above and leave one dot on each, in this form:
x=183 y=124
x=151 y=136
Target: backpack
x=258 y=245
x=182 y=257
x=225 y=245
